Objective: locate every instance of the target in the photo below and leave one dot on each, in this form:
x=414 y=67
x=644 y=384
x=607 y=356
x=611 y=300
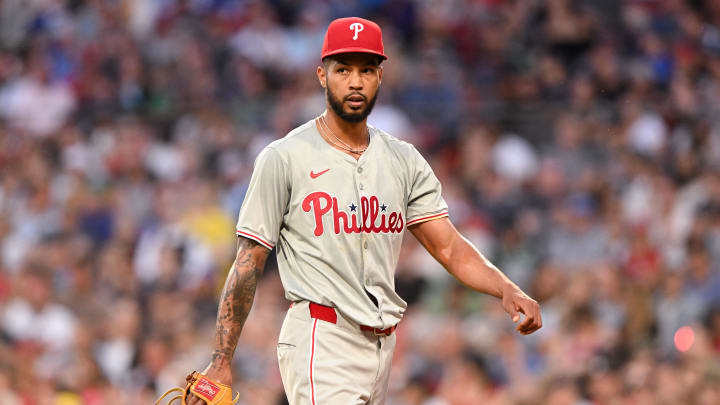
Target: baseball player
x=334 y=197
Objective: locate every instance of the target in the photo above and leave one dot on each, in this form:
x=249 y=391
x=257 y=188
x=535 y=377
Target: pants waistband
x=330 y=314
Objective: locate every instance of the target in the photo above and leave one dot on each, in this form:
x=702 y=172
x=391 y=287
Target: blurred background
x=578 y=143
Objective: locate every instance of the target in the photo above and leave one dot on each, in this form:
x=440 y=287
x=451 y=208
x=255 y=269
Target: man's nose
x=355 y=81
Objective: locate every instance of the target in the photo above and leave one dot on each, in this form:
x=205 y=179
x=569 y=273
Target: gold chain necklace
x=344 y=145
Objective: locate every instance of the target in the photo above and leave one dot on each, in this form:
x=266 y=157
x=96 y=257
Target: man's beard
x=353 y=117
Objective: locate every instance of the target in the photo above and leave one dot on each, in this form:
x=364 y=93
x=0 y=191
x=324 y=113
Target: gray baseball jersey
x=338 y=222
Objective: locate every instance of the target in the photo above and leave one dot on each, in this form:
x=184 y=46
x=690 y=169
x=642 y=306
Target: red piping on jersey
x=427 y=217
x=256 y=238
x=312 y=357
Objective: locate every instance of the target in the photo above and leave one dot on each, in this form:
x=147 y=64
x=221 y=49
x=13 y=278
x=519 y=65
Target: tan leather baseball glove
x=212 y=392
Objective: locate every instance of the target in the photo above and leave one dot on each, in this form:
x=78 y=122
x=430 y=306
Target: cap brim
x=353 y=50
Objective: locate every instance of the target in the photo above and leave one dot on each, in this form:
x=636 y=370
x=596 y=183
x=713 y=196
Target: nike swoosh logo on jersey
x=316 y=175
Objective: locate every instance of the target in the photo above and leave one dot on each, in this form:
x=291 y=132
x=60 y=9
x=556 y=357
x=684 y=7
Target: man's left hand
x=515 y=302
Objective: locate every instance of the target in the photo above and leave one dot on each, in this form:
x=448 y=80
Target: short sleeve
x=266 y=200
x=425 y=202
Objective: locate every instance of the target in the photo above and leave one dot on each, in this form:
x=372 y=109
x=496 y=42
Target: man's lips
x=355 y=100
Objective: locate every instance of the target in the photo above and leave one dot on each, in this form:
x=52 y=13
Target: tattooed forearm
x=237 y=298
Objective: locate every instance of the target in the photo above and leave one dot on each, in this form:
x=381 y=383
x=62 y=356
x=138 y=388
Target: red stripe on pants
x=312 y=355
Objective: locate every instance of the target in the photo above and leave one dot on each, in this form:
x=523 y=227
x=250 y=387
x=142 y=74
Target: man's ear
x=322 y=76
x=380 y=73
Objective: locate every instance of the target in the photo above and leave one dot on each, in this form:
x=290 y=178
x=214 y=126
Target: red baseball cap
x=353 y=34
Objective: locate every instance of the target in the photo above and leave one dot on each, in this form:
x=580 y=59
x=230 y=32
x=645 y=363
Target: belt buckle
x=379 y=332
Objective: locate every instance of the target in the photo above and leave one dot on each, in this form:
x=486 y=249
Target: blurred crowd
x=578 y=143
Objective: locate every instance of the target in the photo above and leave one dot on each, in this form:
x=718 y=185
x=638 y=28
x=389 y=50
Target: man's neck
x=353 y=133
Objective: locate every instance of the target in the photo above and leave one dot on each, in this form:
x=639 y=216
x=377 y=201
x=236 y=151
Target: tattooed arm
x=237 y=298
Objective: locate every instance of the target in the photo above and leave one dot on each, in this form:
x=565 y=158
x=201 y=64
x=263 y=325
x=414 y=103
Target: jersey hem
x=427 y=218
x=255 y=238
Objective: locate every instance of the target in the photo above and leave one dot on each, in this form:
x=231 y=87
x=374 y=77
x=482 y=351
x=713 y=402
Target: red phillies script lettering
x=316 y=200
x=207 y=388
x=371 y=218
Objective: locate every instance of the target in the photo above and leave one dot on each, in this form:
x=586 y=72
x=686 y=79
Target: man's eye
x=342 y=70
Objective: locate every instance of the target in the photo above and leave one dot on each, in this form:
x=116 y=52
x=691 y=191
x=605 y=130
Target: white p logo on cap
x=357 y=27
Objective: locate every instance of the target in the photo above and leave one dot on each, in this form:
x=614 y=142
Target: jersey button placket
x=363 y=237
x=367 y=278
